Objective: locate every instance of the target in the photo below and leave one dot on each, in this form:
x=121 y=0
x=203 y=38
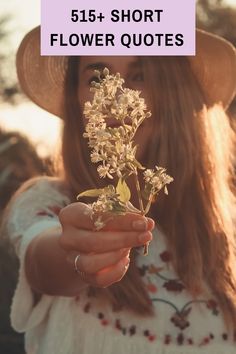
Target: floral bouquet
x=114 y=150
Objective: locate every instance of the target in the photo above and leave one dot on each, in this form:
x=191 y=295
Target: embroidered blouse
x=87 y=324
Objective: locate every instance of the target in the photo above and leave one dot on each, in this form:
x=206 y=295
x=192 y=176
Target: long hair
x=195 y=143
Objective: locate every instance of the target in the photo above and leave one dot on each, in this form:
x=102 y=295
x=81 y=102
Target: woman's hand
x=104 y=254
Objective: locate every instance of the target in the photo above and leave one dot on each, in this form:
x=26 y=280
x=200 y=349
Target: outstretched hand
x=104 y=254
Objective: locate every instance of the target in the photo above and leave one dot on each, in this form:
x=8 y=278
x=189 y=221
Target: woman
x=19 y=161
x=181 y=297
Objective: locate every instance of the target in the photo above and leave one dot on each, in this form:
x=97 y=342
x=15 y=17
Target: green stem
x=192 y=302
x=139 y=193
x=167 y=279
x=166 y=302
x=145 y=247
x=148 y=205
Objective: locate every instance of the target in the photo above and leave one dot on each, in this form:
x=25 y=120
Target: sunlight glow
x=40 y=127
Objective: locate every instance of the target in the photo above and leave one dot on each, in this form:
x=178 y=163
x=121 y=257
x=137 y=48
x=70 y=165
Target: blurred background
x=30 y=137
x=17 y=17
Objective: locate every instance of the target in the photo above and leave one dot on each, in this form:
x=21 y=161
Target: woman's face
x=130 y=69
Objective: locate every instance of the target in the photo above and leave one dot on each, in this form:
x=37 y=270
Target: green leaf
x=91 y=193
x=123 y=190
x=130 y=207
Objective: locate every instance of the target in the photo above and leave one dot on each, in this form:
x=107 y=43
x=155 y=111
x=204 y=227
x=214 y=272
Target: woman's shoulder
x=41 y=188
x=37 y=199
x=45 y=182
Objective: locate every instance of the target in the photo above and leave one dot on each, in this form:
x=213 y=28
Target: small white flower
x=113 y=145
x=99 y=223
x=104 y=171
x=114 y=148
x=148 y=175
x=96 y=157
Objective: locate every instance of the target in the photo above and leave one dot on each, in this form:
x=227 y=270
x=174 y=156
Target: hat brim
x=42 y=77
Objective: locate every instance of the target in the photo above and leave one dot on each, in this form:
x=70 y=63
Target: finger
x=110 y=275
x=80 y=215
x=77 y=215
x=85 y=241
x=93 y=263
x=128 y=222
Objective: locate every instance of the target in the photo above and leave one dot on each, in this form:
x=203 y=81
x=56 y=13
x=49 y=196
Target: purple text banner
x=124 y=27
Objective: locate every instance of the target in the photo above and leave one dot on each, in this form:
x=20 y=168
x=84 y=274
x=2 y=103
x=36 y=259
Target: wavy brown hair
x=196 y=144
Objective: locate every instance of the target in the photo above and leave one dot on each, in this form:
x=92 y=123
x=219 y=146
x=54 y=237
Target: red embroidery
x=225 y=336
x=173 y=285
x=55 y=209
x=117 y=324
x=87 y=307
x=180 y=339
x=179 y=315
x=151 y=338
x=205 y=341
x=151 y=288
x=43 y=213
x=180 y=319
x=212 y=305
x=167 y=339
x=166 y=256
x=104 y=322
x=132 y=330
x=51 y=211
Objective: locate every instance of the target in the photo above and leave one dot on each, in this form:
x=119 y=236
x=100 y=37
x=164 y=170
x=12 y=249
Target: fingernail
x=126 y=262
x=145 y=237
x=139 y=225
x=151 y=223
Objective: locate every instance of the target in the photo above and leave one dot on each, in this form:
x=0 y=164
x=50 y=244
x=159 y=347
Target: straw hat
x=42 y=77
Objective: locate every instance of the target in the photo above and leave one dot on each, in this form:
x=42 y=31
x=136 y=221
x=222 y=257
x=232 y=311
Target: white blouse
x=87 y=324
